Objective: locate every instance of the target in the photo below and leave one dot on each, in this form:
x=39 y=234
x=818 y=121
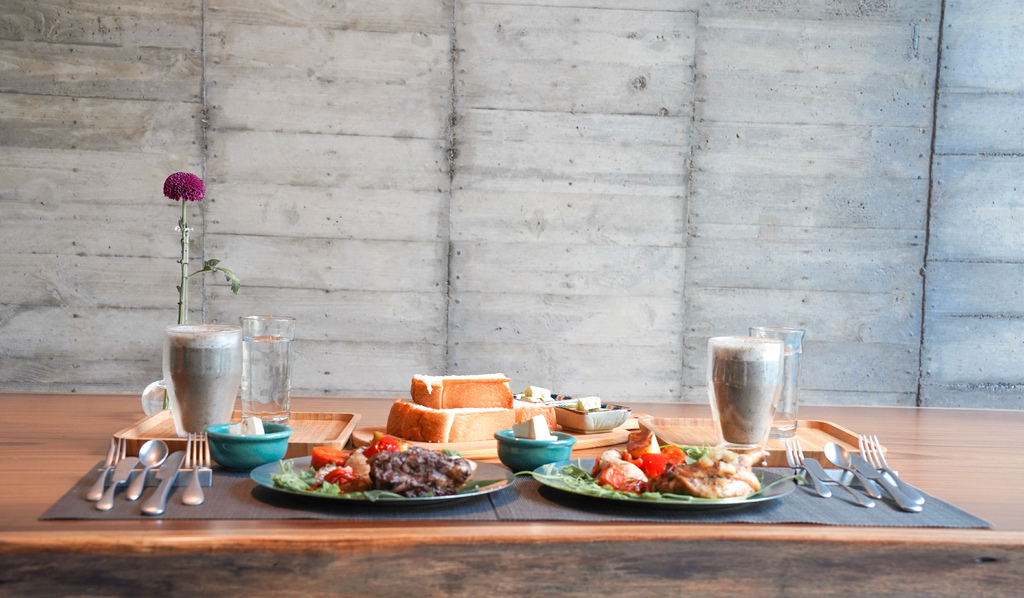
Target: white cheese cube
x=589 y=403
x=535 y=428
x=235 y=429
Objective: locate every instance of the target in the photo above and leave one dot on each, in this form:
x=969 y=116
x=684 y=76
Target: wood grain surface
x=947 y=452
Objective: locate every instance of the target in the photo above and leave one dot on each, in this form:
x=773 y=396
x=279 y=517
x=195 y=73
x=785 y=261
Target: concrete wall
x=577 y=194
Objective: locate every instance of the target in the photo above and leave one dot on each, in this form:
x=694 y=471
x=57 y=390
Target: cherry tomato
x=322 y=455
x=339 y=475
x=384 y=443
x=616 y=478
x=653 y=464
x=674 y=454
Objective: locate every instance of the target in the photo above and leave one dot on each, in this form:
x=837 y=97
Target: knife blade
x=861 y=465
x=121 y=474
x=818 y=476
x=167 y=473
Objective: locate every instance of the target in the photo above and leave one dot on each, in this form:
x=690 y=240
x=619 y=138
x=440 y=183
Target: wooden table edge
x=318 y=535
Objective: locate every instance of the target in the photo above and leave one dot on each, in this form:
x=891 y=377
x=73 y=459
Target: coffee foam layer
x=204 y=337
x=746 y=348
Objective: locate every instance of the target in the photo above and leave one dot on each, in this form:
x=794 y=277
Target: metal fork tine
x=876 y=449
x=188 y=452
x=868 y=450
x=206 y=451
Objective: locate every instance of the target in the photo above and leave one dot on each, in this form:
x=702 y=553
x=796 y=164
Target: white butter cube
x=536 y=394
x=249 y=426
x=589 y=403
x=252 y=426
x=535 y=428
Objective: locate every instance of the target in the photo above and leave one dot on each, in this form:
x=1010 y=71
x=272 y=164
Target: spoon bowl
x=151 y=454
x=840 y=457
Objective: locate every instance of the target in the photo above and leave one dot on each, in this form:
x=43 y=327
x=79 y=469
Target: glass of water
x=785 y=422
x=267 y=367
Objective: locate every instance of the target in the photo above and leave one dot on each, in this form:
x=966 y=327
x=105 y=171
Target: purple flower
x=184 y=185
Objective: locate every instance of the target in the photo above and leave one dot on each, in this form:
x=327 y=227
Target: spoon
x=838 y=456
x=151 y=454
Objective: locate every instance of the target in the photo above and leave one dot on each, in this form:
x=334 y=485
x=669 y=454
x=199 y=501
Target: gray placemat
x=528 y=500
x=236 y=496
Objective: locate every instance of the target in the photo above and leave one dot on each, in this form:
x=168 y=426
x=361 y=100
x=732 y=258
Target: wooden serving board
x=488 y=449
x=812 y=434
x=308 y=430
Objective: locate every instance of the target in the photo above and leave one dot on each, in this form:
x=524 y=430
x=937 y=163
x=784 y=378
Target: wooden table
x=971 y=458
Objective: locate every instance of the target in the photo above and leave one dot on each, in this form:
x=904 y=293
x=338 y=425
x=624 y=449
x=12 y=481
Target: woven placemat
x=236 y=496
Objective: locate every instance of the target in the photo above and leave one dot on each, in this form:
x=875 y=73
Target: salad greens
x=574 y=478
x=303 y=482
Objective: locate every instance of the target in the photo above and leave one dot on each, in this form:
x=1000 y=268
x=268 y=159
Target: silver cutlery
x=871 y=449
x=840 y=457
x=861 y=465
x=167 y=474
x=795 y=458
x=115 y=453
x=197 y=455
x=151 y=454
x=121 y=474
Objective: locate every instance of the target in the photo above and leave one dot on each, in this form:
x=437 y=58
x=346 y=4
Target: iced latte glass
x=202 y=370
x=744 y=383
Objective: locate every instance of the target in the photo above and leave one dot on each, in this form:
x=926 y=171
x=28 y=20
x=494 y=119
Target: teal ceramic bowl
x=526 y=454
x=244 y=453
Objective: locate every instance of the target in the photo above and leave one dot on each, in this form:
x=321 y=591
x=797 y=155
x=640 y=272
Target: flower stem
x=183 y=289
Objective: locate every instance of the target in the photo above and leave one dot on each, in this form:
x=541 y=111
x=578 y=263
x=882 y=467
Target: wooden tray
x=308 y=430
x=488 y=449
x=812 y=434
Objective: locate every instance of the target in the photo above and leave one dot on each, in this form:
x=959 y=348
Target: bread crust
x=411 y=421
x=526 y=410
x=462 y=392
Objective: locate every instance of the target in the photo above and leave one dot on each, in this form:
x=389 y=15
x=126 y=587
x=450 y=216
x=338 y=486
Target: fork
x=197 y=454
x=795 y=458
x=872 y=451
x=115 y=452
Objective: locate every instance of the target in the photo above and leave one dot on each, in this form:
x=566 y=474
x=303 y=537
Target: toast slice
x=488 y=391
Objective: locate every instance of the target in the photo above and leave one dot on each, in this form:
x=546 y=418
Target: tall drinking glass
x=784 y=424
x=267 y=367
x=202 y=370
x=744 y=383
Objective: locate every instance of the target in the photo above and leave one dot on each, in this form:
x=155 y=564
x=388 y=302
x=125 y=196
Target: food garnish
x=655 y=476
x=387 y=468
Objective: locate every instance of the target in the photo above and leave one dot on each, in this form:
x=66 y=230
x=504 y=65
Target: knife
x=168 y=472
x=121 y=475
x=96 y=491
x=861 y=465
x=818 y=476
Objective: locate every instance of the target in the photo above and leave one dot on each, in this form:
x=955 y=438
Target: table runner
x=236 y=496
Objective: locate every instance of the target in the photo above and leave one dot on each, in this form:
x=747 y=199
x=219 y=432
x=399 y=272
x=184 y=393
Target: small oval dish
x=527 y=454
x=607 y=418
x=244 y=453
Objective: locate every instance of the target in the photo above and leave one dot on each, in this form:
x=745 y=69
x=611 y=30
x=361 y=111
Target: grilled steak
x=419 y=472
